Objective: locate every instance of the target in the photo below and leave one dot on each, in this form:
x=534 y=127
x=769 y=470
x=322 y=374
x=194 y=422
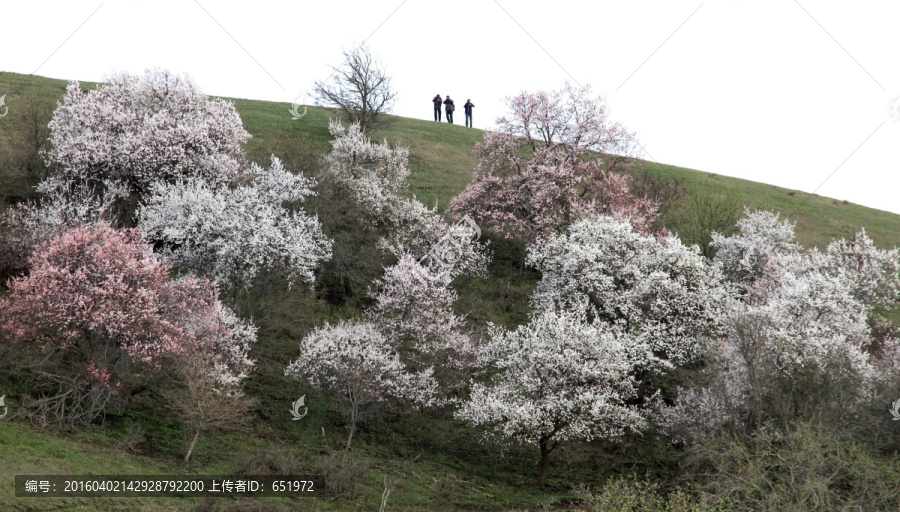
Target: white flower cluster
x=360 y=364
x=802 y=313
x=659 y=291
x=223 y=347
x=231 y=234
x=816 y=305
x=137 y=129
x=873 y=275
x=560 y=379
x=413 y=303
x=373 y=173
x=374 y=176
x=760 y=236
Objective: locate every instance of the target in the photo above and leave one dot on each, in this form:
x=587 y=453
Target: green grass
x=28 y=450
x=441 y=163
x=437 y=462
x=818 y=219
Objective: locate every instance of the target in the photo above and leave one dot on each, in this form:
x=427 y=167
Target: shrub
x=341 y=474
x=805 y=468
x=633 y=495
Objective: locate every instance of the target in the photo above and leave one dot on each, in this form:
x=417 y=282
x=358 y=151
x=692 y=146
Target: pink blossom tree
x=570 y=116
x=102 y=300
x=137 y=129
x=26 y=225
x=553 y=160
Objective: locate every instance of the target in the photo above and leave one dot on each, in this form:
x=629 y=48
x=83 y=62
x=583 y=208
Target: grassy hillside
x=441 y=163
x=435 y=462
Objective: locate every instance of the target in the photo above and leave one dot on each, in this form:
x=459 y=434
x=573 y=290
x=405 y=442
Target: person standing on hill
x=449 y=108
x=468 y=108
x=437 y=107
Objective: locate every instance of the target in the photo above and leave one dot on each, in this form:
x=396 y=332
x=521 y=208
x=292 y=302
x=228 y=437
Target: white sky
x=787 y=92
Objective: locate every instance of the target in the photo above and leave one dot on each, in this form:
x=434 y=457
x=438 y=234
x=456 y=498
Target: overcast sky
x=799 y=94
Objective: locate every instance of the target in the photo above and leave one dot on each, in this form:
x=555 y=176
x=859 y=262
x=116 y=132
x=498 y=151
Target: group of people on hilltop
x=449 y=107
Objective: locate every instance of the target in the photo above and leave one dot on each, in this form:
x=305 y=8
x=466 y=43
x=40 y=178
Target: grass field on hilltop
x=441 y=163
x=435 y=462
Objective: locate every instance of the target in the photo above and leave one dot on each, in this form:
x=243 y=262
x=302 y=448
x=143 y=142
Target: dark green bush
x=806 y=468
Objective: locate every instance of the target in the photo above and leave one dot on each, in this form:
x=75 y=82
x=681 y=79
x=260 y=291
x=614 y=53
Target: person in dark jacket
x=468 y=108
x=437 y=107
x=449 y=107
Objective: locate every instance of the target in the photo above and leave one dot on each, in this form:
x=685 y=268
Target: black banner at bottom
x=135 y=486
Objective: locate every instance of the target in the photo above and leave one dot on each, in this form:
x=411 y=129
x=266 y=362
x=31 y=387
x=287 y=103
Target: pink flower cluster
x=553 y=161
x=103 y=294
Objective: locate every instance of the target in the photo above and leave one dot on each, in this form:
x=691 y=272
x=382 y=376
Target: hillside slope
x=441 y=163
x=436 y=461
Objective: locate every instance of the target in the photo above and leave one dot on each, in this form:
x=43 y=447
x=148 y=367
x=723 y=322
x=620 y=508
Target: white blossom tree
x=210 y=374
x=760 y=236
x=233 y=233
x=374 y=177
x=658 y=290
x=26 y=225
x=139 y=129
x=373 y=174
x=795 y=345
x=361 y=366
x=560 y=379
x=872 y=274
x=414 y=305
x=799 y=342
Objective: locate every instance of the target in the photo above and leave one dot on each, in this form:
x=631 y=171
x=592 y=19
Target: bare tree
x=360 y=88
x=202 y=404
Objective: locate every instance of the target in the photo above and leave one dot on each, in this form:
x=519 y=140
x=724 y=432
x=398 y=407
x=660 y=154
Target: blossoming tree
x=234 y=233
x=657 y=289
x=373 y=176
x=26 y=225
x=799 y=343
x=761 y=235
x=414 y=305
x=209 y=373
x=360 y=365
x=102 y=302
x=138 y=129
x=553 y=160
x=560 y=379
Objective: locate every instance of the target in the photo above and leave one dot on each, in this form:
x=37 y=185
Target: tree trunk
x=545 y=462
x=353 y=395
x=190 y=450
x=351 y=429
